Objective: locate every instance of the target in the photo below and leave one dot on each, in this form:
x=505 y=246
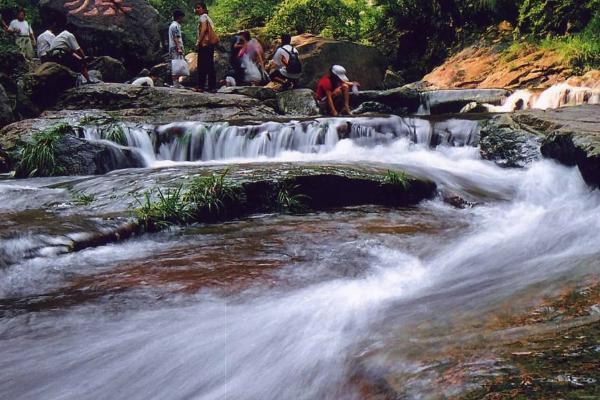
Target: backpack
x=294 y=66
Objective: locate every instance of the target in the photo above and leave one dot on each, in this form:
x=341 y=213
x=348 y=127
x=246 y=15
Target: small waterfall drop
x=197 y=141
x=560 y=95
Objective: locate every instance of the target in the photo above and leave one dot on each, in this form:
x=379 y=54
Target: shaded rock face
x=570 y=135
x=392 y=80
x=508 y=144
x=6 y=109
x=112 y=70
x=162 y=105
x=297 y=102
x=81 y=157
x=399 y=100
x=127 y=29
x=363 y=63
x=47 y=82
x=5 y=162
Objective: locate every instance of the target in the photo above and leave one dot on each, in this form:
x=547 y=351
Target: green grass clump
x=114 y=133
x=83 y=199
x=38 y=156
x=170 y=208
x=287 y=200
x=394 y=178
x=211 y=194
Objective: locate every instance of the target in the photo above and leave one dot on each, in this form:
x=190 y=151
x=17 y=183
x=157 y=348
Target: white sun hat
x=340 y=72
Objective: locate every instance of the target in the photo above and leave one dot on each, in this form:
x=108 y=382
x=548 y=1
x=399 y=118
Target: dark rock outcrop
x=570 y=135
x=112 y=70
x=6 y=108
x=128 y=30
x=399 y=100
x=45 y=84
x=162 y=105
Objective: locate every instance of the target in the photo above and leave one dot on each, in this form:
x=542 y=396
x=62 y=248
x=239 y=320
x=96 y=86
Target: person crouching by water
x=333 y=92
x=25 y=37
x=207 y=39
x=176 y=44
x=44 y=42
x=65 y=50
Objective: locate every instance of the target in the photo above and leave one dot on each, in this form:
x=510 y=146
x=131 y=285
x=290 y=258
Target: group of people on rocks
x=248 y=65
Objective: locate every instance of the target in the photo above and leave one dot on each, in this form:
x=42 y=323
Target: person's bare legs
x=346 y=93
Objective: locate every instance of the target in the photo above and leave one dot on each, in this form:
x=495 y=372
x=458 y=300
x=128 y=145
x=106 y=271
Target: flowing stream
x=276 y=306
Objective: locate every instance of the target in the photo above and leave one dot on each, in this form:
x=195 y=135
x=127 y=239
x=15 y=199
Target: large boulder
x=6 y=109
x=364 y=64
x=112 y=70
x=123 y=29
x=257 y=92
x=570 y=135
x=45 y=84
x=298 y=102
x=162 y=105
x=400 y=100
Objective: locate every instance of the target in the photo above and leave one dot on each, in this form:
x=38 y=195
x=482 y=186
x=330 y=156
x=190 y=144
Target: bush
x=37 y=157
x=234 y=15
x=543 y=17
x=334 y=18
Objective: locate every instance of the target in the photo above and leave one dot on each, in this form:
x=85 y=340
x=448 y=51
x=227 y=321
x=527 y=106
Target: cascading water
x=556 y=96
x=153 y=318
x=194 y=141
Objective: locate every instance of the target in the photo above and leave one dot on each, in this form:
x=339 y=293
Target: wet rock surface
x=299 y=102
x=570 y=135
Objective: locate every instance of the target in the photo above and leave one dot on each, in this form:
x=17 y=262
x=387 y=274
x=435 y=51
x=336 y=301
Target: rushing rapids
x=282 y=307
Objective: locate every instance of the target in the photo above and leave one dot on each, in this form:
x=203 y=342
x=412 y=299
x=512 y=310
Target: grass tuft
x=394 y=178
x=37 y=157
x=83 y=199
x=288 y=201
x=210 y=194
x=169 y=209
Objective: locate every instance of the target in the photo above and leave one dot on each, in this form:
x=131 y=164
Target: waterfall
x=197 y=141
x=556 y=96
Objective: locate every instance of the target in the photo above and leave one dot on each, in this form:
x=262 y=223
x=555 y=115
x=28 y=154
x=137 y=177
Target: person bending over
x=65 y=50
x=286 y=60
x=44 y=42
x=333 y=92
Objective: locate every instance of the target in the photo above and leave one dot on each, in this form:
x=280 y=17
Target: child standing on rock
x=176 y=47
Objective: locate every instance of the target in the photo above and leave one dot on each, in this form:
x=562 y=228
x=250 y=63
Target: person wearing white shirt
x=25 y=38
x=44 y=43
x=65 y=50
x=283 y=72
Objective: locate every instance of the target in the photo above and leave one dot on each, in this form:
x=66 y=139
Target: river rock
x=112 y=70
x=399 y=100
x=162 y=105
x=257 y=92
x=364 y=64
x=127 y=30
x=297 y=102
x=6 y=109
x=392 y=79
x=47 y=82
x=570 y=135
x=508 y=144
x=372 y=107
x=453 y=101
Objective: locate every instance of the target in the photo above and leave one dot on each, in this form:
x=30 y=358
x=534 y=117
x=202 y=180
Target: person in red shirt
x=333 y=90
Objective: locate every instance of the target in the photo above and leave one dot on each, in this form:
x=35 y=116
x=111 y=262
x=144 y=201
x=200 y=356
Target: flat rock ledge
x=570 y=135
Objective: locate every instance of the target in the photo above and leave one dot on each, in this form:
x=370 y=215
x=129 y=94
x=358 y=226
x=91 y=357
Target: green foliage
x=399 y=179
x=8 y=9
x=340 y=19
x=210 y=194
x=233 y=15
x=189 y=26
x=169 y=209
x=289 y=200
x=37 y=157
x=83 y=199
x=543 y=17
x=115 y=133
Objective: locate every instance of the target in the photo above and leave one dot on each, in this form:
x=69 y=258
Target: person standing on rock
x=65 y=50
x=176 y=45
x=207 y=39
x=44 y=42
x=25 y=37
x=333 y=92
